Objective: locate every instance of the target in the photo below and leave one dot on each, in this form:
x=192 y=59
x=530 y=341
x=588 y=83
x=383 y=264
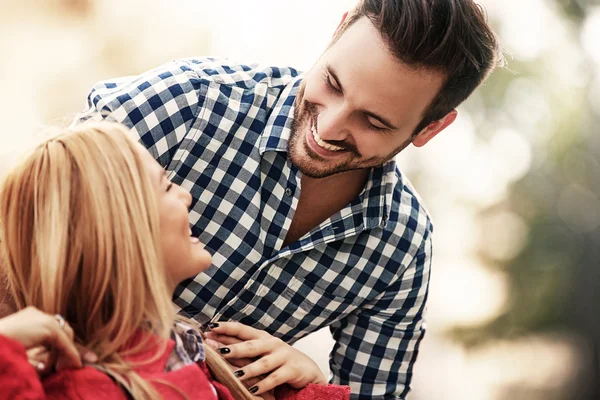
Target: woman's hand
x=35 y=329
x=280 y=362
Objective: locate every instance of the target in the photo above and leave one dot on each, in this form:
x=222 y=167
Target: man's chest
x=242 y=210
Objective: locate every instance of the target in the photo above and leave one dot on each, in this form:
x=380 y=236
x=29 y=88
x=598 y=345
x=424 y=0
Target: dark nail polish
x=239 y=373
x=224 y=350
x=253 y=389
x=213 y=325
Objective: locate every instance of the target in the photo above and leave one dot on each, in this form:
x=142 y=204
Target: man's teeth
x=321 y=143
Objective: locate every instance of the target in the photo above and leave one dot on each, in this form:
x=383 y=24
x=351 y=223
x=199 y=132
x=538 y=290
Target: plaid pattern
x=221 y=131
x=188 y=349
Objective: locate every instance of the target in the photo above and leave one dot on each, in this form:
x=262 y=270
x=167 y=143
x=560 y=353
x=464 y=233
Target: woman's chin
x=199 y=257
x=193 y=263
x=202 y=257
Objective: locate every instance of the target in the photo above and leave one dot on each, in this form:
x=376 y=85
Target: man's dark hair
x=448 y=36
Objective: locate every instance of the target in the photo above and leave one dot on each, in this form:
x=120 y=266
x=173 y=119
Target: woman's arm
x=26 y=329
x=33 y=328
x=18 y=379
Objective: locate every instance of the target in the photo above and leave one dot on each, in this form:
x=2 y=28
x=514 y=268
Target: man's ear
x=431 y=130
x=340 y=24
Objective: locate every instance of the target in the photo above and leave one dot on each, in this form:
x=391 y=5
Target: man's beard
x=306 y=112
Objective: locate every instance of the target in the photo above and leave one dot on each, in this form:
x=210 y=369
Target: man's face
x=358 y=106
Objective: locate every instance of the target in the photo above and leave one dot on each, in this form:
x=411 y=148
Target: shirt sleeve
x=376 y=346
x=160 y=106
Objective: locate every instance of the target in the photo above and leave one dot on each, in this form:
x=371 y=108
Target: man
x=296 y=192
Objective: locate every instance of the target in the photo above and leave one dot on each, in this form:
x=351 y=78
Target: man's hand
x=280 y=362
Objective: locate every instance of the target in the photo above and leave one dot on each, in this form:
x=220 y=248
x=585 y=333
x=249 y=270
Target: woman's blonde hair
x=79 y=231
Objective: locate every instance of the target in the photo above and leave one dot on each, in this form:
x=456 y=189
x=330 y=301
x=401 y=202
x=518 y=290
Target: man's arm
x=376 y=347
x=160 y=106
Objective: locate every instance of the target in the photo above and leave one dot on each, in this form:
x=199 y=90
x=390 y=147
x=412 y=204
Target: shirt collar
x=378 y=194
x=188 y=348
x=276 y=135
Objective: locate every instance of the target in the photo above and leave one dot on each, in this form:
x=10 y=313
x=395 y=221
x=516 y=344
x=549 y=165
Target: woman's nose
x=186 y=197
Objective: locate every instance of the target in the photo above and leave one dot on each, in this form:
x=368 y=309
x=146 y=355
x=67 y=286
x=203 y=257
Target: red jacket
x=18 y=380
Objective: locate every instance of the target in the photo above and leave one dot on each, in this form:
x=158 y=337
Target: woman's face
x=184 y=255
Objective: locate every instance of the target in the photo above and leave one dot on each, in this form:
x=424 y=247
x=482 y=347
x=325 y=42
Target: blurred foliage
x=575 y=9
x=553 y=279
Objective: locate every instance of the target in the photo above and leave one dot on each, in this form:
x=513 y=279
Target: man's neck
x=345 y=185
x=321 y=198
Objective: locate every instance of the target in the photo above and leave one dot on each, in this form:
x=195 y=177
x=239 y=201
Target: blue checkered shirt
x=221 y=131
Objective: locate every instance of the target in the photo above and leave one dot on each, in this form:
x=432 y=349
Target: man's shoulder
x=408 y=210
x=192 y=76
x=229 y=72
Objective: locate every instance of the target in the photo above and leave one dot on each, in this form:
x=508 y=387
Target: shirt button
x=289 y=192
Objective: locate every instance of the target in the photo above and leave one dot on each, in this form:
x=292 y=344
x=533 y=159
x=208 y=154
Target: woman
x=94 y=234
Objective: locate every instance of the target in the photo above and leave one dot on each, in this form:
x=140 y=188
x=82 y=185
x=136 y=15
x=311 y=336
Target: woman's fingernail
x=90 y=357
x=40 y=366
x=213 y=325
x=239 y=373
x=253 y=389
x=224 y=350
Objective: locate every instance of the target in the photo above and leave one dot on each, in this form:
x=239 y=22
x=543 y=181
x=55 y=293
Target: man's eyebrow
x=379 y=118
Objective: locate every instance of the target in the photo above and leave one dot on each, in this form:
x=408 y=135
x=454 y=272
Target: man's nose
x=334 y=124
